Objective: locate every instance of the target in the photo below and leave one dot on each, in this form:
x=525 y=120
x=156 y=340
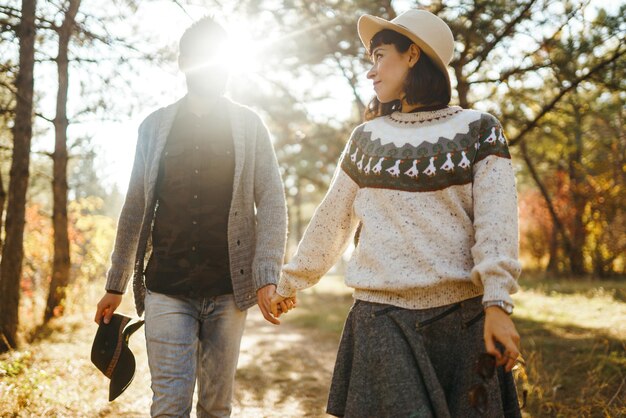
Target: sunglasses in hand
x=485 y=368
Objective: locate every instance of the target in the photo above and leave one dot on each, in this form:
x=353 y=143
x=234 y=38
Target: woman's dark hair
x=425 y=84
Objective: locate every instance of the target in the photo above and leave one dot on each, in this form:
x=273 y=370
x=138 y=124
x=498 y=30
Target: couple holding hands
x=427 y=187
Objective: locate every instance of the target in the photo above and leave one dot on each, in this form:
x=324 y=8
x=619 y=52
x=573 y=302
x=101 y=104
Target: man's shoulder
x=157 y=115
x=151 y=118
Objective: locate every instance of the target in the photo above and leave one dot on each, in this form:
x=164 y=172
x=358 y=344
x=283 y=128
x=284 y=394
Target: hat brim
x=369 y=25
x=123 y=374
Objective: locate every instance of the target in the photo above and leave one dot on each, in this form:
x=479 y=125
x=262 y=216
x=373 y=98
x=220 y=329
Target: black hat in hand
x=110 y=352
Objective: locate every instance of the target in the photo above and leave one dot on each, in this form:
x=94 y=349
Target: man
x=206 y=208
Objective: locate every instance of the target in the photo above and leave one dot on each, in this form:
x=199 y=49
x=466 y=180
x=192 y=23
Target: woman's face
x=389 y=70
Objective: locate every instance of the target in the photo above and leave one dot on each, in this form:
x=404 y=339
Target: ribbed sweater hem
x=423 y=297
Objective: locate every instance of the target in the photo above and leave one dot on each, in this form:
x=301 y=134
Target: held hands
x=273 y=305
x=280 y=305
x=500 y=328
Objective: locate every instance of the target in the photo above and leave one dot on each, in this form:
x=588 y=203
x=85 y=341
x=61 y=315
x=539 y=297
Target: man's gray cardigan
x=256 y=241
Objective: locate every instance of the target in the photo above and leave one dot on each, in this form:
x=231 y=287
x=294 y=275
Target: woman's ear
x=414 y=54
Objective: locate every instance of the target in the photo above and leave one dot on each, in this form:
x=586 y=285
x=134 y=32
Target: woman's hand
x=280 y=305
x=500 y=328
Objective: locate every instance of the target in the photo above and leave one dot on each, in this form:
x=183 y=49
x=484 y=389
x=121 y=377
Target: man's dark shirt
x=194 y=190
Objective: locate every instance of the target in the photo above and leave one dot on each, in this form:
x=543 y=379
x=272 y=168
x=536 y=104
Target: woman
x=434 y=191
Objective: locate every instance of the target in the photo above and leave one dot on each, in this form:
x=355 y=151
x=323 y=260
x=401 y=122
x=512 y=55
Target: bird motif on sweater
x=413 y=171
x=431 y=170
x=395 y=170
x=448 y=165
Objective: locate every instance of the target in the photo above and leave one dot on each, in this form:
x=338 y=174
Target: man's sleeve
x=129 y=223
x=271 y=215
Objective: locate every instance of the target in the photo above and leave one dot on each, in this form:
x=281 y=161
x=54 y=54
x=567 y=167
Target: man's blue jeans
x=189 y=338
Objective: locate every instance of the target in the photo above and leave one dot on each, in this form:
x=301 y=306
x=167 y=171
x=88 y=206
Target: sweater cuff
x=498 y=289
x=498 y=278
x=265 y=275
x=117 y=280
x=285 y=290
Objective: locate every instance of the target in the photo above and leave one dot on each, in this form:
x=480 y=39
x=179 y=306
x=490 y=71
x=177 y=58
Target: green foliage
x=15 y=364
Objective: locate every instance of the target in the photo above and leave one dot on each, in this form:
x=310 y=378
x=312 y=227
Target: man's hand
x=107 y=306
x=264 y=296
x=499 y=327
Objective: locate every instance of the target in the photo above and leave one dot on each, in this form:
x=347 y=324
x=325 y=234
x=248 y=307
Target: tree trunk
x=553 y=260
x=13 y=250
x=61 y=261
x=462 y=86
x=3 y=196
x=576 y=178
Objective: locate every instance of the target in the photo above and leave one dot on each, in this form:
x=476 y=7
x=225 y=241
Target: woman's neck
x=410 y=108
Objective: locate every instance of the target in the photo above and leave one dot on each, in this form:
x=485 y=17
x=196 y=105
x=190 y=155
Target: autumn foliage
x=91 y=237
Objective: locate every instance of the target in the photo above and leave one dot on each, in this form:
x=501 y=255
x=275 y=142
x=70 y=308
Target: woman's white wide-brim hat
x=429 y=32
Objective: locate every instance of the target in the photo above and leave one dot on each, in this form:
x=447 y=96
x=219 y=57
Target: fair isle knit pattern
x=435 y=192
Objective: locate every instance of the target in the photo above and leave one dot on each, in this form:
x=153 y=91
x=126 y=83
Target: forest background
x=77 y=77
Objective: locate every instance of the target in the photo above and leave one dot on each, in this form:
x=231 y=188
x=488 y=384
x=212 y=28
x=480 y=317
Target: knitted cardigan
x=257 y=222
x=435 y=193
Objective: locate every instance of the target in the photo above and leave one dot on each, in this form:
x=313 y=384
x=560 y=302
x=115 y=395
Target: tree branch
x=483 y=53
x=546 y=196
x=509 y=73
x=547 y=108
x=39 y=115
x=350 y=79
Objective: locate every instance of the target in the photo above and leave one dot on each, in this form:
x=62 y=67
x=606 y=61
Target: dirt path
x=283 y=371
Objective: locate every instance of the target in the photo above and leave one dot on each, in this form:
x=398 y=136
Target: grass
x=573 y=341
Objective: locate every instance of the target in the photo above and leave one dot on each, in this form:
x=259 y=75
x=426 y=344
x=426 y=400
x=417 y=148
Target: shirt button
x=193 y=248
x=197 y=147
x=238 y=242
x=194 y=222
x=166 y=153
x=195 y=196
x=196 y=171
x=241 y=271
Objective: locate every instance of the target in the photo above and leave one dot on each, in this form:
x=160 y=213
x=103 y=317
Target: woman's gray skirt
x=395 y=362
